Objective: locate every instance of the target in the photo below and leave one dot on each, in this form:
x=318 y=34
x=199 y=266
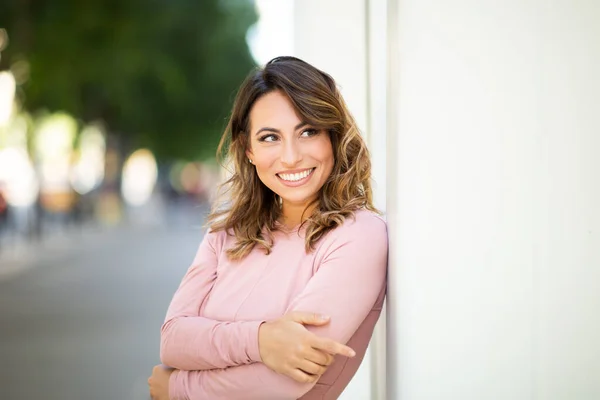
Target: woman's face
x=292 y=158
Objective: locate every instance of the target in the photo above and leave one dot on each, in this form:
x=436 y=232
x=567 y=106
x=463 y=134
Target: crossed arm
x=221 y=360
x=191 y=342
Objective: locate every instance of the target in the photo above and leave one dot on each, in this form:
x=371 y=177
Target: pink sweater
x=211 y=330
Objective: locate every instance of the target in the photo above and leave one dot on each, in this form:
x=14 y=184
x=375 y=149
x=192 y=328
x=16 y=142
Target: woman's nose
x=291 y=154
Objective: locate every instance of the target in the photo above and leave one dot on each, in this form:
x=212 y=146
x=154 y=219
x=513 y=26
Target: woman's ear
x=250 y=156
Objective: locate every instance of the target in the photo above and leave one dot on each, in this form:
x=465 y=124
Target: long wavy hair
x=246 y=207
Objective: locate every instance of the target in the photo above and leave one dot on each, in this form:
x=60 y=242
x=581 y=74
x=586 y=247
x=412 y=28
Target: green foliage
x=159 y=73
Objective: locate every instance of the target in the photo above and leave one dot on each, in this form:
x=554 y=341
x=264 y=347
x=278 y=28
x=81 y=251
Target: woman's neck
x=293 y=215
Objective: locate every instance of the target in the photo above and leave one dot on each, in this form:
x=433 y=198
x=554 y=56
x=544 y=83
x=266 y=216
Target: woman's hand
x=159 y=382
x=288 y=348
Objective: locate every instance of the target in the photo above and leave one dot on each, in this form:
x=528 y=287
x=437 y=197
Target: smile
x=297 y=176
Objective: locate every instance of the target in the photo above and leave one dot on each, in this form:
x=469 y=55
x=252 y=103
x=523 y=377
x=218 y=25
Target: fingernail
x=351 y=353
x=323 y=317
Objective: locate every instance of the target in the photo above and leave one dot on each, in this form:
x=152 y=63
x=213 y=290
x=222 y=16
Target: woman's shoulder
x=364 y=216
x=363 y=220
x=217 y=239
x=364 y=231
x=362 y=224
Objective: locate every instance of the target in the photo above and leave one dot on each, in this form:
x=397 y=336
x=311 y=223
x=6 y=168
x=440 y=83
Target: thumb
x=308 y=318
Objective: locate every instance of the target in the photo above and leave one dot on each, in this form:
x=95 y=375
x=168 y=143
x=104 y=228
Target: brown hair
x=250 y=209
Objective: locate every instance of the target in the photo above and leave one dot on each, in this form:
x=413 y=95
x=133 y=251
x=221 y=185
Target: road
x=80 y=314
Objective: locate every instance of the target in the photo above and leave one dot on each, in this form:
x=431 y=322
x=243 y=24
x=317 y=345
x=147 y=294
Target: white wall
x=494 y=200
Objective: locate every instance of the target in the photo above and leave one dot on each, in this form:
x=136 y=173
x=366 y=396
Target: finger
x=307 y=318
x=332 y=347
x=311 y=368
x=319 y=357
x=302 y=377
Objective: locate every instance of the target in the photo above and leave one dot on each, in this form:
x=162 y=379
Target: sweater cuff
x=252 y=349
x=177 y=385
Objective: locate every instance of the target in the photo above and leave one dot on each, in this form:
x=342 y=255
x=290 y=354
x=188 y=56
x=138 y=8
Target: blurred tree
x=160 y=73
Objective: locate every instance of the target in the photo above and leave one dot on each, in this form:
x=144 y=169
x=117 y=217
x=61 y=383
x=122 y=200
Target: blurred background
x=107 y=107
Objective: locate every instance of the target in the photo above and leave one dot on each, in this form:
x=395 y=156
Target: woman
x=291 y=275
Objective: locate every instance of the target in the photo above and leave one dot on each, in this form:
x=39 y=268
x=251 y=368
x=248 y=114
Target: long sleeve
x=191 y=342
x=345 y=286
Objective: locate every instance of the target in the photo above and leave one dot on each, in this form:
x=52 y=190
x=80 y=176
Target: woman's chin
x=297 y=201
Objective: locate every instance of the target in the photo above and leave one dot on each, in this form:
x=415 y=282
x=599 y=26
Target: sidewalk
x=14 y=257
x=19 y=254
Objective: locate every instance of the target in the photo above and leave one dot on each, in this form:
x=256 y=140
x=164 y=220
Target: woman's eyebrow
x=268 y=129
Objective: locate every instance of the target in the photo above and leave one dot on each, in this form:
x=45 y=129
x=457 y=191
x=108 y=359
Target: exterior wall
x=493 y=200
x=492 y=183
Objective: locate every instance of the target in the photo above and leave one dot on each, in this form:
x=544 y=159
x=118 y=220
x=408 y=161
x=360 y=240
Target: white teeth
x=295 y=177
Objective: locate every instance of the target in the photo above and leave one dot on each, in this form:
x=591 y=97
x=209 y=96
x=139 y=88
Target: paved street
x=80 y=314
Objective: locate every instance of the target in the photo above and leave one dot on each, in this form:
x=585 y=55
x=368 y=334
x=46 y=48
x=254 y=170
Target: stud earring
x=250 y=161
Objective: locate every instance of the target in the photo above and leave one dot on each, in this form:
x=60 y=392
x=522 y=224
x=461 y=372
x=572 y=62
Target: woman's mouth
x=297 y=178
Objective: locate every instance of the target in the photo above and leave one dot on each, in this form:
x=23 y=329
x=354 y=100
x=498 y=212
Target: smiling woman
x=294 y=160
x=283 y=283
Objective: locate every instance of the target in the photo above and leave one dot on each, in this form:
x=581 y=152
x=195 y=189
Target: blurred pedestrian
x=291 y=274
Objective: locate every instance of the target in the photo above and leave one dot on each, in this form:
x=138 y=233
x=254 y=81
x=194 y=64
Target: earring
x=250 y=161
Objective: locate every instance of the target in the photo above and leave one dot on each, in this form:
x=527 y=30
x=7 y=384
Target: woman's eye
x=309 y=132
x=267 y=138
